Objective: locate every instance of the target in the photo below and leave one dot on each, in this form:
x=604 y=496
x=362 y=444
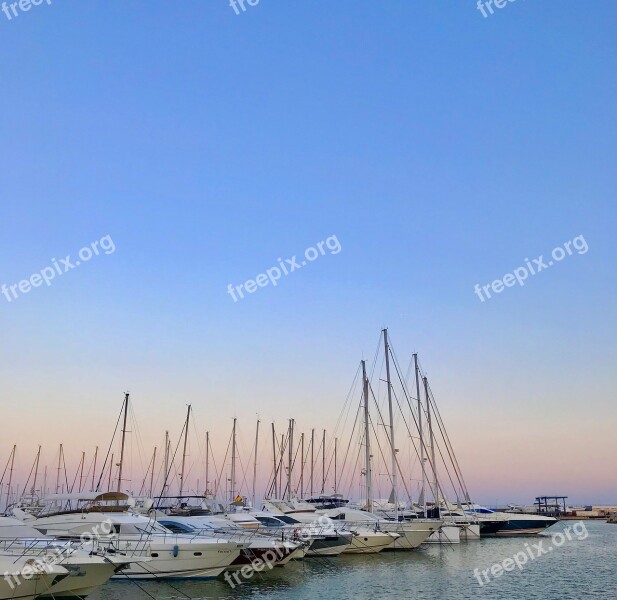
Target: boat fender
x=176 y=551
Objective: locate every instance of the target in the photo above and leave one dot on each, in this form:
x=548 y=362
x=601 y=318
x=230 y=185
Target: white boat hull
x=86 y=576
x=15 y=586
x=370 y=542
x=447 y=534
x=183 y=561
x=412 y=533
x=470 y=532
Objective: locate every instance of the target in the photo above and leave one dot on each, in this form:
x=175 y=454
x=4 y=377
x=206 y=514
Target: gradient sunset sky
x=441 y=148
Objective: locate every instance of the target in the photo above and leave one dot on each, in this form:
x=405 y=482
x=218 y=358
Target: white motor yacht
x=86 y=572
x=326 y=539
x=22 y=580
x=368 y=536
x=514 y=524
x=410 y=534
x=116 y=531
x=260 y=546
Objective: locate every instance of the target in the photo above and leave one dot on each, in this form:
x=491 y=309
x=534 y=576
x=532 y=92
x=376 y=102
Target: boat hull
x=470 y=532
x=447 y=534
x=412 y=533
x=23 y=579
x=330 y=545
x=530 y=528
x=488 y=528
x=182 y=561
x=85 y=577
x=371 y=543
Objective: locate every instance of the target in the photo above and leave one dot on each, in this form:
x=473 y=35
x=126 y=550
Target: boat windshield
x=287 y=519
x=178 y=527
x=271 y=521
x=152 y=527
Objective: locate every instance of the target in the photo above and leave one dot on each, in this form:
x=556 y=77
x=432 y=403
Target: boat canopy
x=89 y=497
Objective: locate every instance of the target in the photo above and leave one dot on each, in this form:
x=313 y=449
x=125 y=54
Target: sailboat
x=412 y=532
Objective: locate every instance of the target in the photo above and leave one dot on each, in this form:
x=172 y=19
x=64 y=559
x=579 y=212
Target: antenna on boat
x=126 y=413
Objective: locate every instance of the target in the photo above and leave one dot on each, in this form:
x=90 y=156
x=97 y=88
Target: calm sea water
x=577 y=570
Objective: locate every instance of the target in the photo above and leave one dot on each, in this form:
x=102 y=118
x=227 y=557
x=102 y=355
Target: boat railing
x=38 y=547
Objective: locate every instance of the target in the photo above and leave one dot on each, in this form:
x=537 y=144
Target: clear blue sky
x=440 y=147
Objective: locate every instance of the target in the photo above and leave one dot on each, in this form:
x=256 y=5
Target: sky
x=430 y=149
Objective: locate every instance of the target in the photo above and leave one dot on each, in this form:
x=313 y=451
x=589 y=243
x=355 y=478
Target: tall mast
x=166 y=473
x=393 y=447
x=276 y=494
x=81 y=473
x=126 y=412
x=367 y=443
x=421 y=498
x=432 y=440
x=152 y=473
x=335 y=459
x=290 y=445
x=36 y=471
x=111 y=466
x=323 y=464
x=281 y=464
x=232 y=491
x=312 y=458
x=96 y=455
x=255 y=461
x=186 y=439
x=8 y=491
x=302 y=465
x=59 y=467
x=207 y=459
